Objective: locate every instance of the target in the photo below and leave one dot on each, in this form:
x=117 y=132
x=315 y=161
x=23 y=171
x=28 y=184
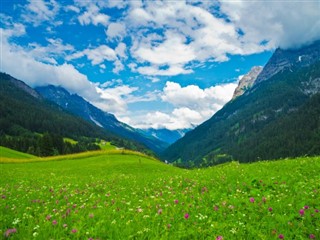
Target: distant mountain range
x=166 y=135
x=77 y=105
x=277 y=117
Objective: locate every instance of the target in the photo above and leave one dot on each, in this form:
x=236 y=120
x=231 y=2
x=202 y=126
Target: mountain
x=277 y=118
x=247 y=81
x=26 y=117
x=166 y=135
x=80 y=107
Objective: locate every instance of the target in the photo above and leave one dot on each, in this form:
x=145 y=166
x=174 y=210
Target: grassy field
x=125 y=195
x=9 y=153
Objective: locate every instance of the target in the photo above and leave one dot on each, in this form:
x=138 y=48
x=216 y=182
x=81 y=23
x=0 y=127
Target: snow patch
x=95 y=121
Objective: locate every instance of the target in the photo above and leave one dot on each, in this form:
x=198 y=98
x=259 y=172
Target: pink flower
x=252 y=199
x=270 y=209
x=219 y=238
x=74 y=230
x=48 y=217
x=54 y=222
x=176 y=201
x=316 y=210
x=65 y=225
x=306 y=207
x=10 y=231
x=216 y=208
x=301 y=212
x=186 y=216
x=281 y=236
x=312 y=236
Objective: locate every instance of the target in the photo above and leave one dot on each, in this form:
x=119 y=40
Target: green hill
x=124 y=195
x=9 y=153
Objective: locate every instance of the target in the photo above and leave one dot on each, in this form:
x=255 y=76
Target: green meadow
x=119 y=194
x=9 y=153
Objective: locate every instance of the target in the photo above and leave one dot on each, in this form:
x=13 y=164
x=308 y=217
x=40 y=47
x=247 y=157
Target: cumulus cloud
x=191 y=106
x=93 y=16
x=103 y=53
x=283 y=24
x=116 y=31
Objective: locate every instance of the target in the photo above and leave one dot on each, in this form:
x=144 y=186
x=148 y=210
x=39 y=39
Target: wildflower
x=312 y=236
x=54 y=222
x=281 y=236
x=139 y=210
x=65 y=225
x=270 y=209
x=74 y=230
x=48 y=217
x=219 y=238
x=176 y=201
x=160 y=211
x=316 y=210
x=91 y=215
x=306 y=207
x=216 y=208
x=16 y=221
x=301 y=212
x=10 y=231
x=252 y=200
x=186 y=216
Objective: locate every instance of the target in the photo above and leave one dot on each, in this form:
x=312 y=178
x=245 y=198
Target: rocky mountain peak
x=247 y=81
x=290 y=58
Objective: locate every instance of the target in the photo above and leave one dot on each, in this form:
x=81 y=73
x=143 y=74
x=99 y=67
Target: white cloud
x=283 y=23
x=93 y=16
x=54 y=49
x=156 y=71
x=103 y=53
x=116 y=31
x=121 y=50
x=191 y=106
x=38 y=11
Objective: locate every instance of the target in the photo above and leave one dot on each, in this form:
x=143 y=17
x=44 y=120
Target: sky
x=153 y=64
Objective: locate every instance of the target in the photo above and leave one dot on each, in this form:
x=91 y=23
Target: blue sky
x=160 y=64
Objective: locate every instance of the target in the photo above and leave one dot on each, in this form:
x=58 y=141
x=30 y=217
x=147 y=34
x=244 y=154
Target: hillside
x=94 y=195
x=26 y=116
x=9 y=153
x=80 y=107
x=277 y=118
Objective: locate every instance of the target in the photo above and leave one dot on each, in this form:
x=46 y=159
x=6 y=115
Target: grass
x=70 y=140
x=9 y=153
x=126 y=195
x=106 y=145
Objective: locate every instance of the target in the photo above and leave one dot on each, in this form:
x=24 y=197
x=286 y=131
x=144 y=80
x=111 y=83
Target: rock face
x=247 y=81
x=289 y=59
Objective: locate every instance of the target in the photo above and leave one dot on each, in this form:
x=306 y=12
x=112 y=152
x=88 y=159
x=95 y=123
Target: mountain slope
x=24 y=113
x=278 y=117
x=80 y=107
